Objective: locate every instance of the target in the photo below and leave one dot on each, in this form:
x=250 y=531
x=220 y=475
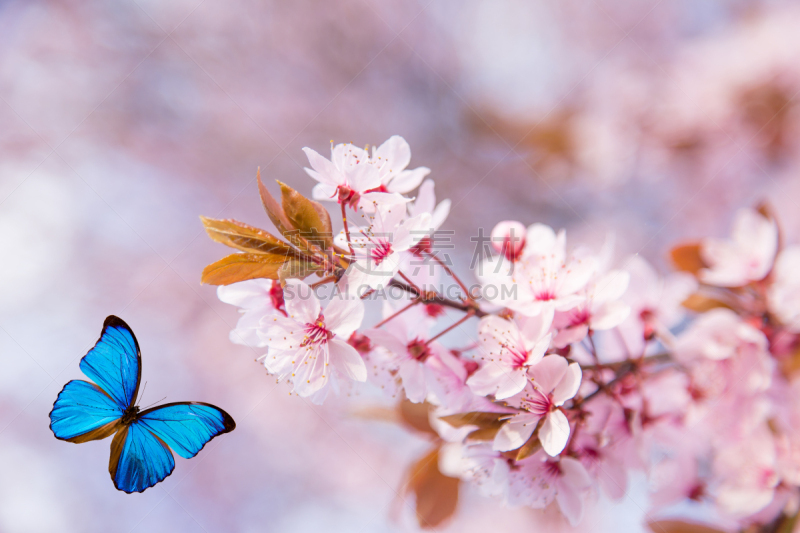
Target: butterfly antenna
x=139 y=400
x=152 y=404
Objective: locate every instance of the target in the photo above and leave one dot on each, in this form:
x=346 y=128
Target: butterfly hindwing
x=186 y=426
x=115 y=362
x=84 y=412
x=139 y=459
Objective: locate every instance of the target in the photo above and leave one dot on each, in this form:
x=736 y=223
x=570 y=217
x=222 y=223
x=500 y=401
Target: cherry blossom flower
x=309 y=348
x=746 y=257
x=425 y=203
x=655 y=303
x=784 y=293
x=554 y=382
x=423 y=269
x=508 y=348
x=391 y=158
x=747 y=473
x=600 y=310
x=406 y=339
x=545 y=276
x=508 y=239
x=540 y=479
x=257 y=298
x=379 y=242
x=353 y=177
x=478 y=464
x=718 y=334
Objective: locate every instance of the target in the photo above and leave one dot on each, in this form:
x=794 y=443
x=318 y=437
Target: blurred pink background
x=122 y=121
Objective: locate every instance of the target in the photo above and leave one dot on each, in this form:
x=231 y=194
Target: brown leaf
x=529 y=448
x=701 y=303
x=307 y=216
x=273 y=208
x=240 y=267
x=476 y=418
x=415 y=415
x=437 y=494
x=297 y=268
x=678 y=526
x=786 y=524
x=243 y=237
x=687 y=257
x=483 y=434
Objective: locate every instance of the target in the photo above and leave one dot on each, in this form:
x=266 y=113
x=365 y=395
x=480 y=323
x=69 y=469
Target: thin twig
x=463 y=319
x=397 y=313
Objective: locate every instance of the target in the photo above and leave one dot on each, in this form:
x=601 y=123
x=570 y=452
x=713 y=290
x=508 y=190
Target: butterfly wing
x=115 y=362
x=83 y=412
x=139 y=459
x=140 y=453
x=186 y=426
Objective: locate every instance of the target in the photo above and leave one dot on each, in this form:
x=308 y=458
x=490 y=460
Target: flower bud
x=508 y=238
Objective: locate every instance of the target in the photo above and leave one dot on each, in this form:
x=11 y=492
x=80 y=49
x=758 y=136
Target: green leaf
x=243 y=237
x=307 y=216
x=241 y=267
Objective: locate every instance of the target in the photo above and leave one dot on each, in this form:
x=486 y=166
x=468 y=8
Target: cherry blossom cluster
x=560 y=370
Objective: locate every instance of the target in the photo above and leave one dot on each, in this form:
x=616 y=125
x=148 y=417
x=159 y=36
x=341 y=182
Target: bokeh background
x=122 y=121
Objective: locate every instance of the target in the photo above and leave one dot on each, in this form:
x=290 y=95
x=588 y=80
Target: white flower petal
x=610 y=315
x=572 y=489
x=554 y=433
x=345 y=359
x=393 y=155
x=548 y=372
x=248 y=294
x=344 y=315
x=568 y=386
x=301 y=302
x=388 y=341
x=515 y=432
x=413 y=375
x=324 y=192
x=326 y=172
x=408 y=180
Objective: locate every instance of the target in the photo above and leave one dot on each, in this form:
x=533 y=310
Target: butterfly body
x=141 y=450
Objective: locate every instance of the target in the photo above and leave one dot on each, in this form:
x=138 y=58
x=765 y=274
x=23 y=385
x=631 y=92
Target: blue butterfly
x=140 y=449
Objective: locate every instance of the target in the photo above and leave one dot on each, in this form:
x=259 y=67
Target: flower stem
x=397 y=313
x=452 y=275
x=346 y=229
x=451 y=327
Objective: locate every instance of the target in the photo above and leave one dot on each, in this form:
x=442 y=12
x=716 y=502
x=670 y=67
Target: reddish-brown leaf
x=297 y=268
x=483 y=434
x=679 y=526
x=687 y=257
x=415 y=415
x=243 y=237
x=273 y=208
x=241 y=267
x=436 y=494
x=701 y=303
x=307 y=216
x=476 y=418
x=529 y=448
